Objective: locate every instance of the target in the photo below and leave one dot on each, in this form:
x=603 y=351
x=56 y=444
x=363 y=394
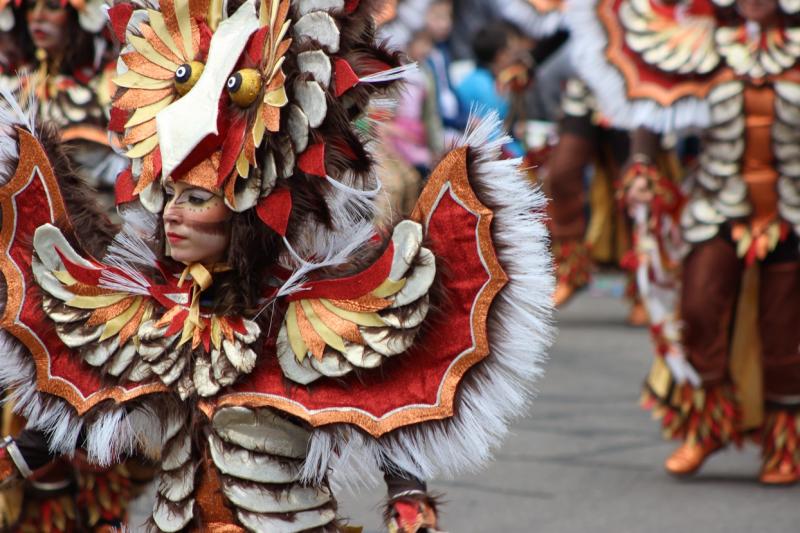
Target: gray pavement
x=588 y=460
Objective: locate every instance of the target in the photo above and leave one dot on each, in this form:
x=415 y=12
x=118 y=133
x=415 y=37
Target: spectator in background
x=472 y=15
x=416 y=130
x=399 y=20
x=439 y=25
x=494 y=53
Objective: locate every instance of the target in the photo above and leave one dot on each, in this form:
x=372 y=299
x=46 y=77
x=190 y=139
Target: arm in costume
x=654 y=203
x=67 y=401
x=476 y=233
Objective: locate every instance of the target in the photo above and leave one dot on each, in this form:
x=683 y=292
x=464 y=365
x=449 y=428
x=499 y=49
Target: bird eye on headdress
x=244 y=86
x=187 y=75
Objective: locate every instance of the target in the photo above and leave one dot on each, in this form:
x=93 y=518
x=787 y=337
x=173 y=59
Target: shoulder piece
x=335 y=325
x=649 y=64
x=421 y=383
x=766 y=53
x=29 y=200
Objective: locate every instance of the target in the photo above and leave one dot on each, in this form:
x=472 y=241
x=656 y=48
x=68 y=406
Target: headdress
x=287 y=83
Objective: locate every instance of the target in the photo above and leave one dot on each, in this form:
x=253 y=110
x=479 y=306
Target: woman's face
x=439 y=21
x=763 y=12
x=196 y=224
x=47 y=23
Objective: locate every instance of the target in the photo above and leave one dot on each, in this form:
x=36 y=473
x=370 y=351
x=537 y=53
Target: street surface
x=588 y=460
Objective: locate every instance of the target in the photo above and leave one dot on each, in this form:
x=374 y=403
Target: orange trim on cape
x=34 y=161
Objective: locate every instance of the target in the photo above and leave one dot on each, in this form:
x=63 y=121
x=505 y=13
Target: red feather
x=344 y=77
x=117 y=120
x=231 y=148
x=87 y=276
x=274 y=210
x=124 y=186
x=119 y=15
x=312 y=161
x=351 y=287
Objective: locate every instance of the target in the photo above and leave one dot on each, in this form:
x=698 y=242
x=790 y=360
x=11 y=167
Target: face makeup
x=196 y=224
x=47 y=23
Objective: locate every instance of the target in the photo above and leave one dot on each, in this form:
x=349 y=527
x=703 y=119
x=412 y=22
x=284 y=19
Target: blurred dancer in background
x=61 y=56
x=717 y=71
x=68 y=60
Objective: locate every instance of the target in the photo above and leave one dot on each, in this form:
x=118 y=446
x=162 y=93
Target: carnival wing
x=98 y=322
x=335 y=326
x=469 y=275
x=65 y=308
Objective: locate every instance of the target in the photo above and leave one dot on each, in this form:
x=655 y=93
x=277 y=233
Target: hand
x=639 y=192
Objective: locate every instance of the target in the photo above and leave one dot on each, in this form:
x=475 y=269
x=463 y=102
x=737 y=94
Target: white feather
x=129 y=252
x=392 y=74
x=109 y=437
x=501 y=388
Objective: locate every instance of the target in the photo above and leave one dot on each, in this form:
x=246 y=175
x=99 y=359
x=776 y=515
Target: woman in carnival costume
x=67 y=57
x=247 y=327
x=729 y=68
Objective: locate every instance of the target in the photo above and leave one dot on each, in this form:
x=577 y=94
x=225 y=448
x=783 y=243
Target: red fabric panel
x=33 y=210
x=351 y=287
x=413 y=377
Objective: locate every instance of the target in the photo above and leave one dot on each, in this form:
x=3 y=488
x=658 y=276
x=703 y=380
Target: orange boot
x=573 y=269
x=781 y=442
x=689 y=457
x=706 y=419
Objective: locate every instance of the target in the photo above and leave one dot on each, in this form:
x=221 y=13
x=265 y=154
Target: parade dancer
x=68 y=61
x=247 y=326
x=731 y=69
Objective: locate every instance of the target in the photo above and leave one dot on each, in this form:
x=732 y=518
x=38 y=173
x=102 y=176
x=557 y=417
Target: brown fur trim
x=92 y=229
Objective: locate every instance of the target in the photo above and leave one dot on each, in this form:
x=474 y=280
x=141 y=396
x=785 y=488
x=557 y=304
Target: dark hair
x=489 y=41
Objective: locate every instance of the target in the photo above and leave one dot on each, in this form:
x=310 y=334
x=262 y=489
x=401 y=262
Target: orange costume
x=732 y=71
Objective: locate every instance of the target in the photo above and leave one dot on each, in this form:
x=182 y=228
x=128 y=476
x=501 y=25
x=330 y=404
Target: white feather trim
x=109 y=432
x=128 y=252
x=588 y=43
x=500 y=388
